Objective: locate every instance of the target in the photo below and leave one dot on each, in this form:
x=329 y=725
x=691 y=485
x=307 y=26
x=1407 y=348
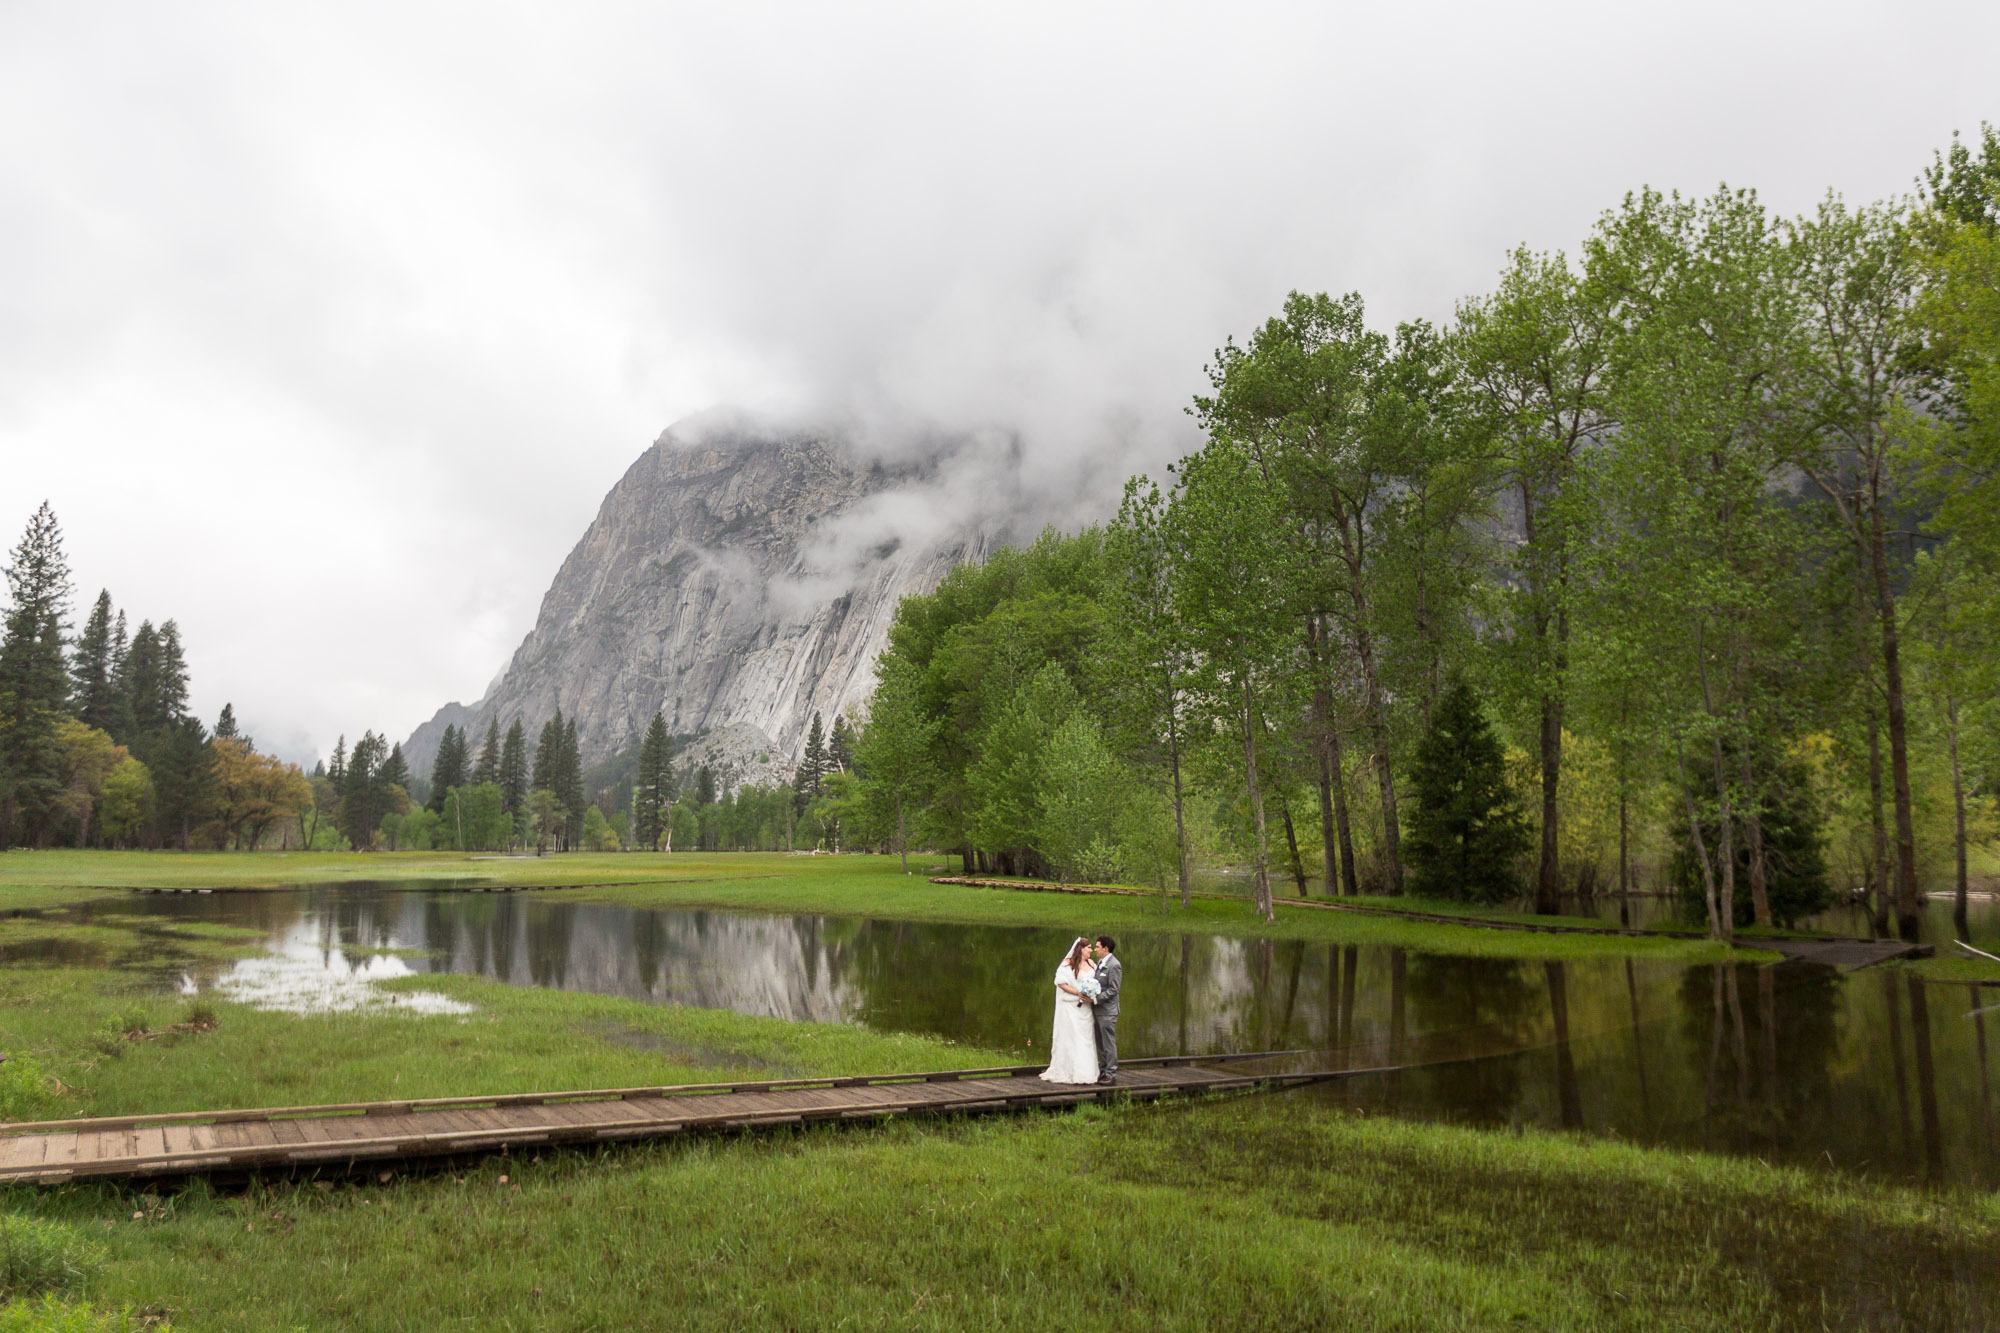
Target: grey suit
x=1104 y=1013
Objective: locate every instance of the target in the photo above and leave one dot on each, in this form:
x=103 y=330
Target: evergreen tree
x=120 y=715
x=142 y=688
x=183 y=779
x=336 y=768
x=93 y=669
x=448 y=771
x=1466 y=834
x=813 y=765
x=653 y=786
x=395 y=770
x=514 y=770
x=548 y=754
x=839 y=749
x=225 y=725
x=173 y=684
x=488 y=768
x=363 y=794
x=571 y=789
x=34 y=681
x=704 y=788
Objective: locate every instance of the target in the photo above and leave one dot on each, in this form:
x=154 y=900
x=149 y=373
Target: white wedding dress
x=1074 y=1057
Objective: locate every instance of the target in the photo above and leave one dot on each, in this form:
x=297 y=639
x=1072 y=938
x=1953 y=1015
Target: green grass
x=1266 y=1211
x=1256 y=1212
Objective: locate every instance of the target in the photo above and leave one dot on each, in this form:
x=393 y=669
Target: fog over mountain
x=327 y=330
x=741 y=577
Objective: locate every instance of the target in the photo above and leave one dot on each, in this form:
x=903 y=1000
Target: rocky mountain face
x=737 y=579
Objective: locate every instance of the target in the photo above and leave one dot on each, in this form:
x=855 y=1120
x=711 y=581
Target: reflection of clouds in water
x=302 y=977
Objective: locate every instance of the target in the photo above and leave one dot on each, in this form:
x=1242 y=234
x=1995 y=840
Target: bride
x=1074 y=1058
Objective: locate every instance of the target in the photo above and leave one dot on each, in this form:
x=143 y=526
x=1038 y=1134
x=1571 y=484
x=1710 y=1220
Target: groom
x=1104 y=1008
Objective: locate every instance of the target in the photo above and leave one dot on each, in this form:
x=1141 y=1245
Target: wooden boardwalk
x=344 y=1136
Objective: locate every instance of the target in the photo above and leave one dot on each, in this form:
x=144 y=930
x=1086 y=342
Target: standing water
x=1873 y=1071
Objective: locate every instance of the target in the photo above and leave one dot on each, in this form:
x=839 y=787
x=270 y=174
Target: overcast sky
x=326 y=328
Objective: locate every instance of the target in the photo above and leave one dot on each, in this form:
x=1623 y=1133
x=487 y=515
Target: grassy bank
x=775 y=882
x=1258 y=1212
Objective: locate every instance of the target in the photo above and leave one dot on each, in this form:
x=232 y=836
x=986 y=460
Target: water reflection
x=1873 y=1071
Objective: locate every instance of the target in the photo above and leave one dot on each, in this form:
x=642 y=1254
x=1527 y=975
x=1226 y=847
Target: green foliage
x=1466 y=834
x=597 y=832
x=1792 y=828
x=1079 y=799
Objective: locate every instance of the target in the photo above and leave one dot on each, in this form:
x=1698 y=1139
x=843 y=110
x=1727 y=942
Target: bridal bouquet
x=1090 y=988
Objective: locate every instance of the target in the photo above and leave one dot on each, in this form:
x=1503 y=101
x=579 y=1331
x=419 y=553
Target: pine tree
x=183 y=778
x=840 y=748
x=142 y=688
x=813 y=766
x=363 y=795
x=548 y=756
x=225 y=725
x=448 y=770
x=571 y=789
x=173 y=674
x=34 y=680
x=395 y=771
x=1466 y=833
x=336 y=768
x=120 y=724
x=651 y=788
x=488 y=767
x=514 y=770
x=93 y=668
x=704 y=788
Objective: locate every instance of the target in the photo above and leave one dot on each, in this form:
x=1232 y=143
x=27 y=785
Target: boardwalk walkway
x=48 y=1152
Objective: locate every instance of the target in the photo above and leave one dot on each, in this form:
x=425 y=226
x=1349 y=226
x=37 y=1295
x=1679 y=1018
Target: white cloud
x=326 y=330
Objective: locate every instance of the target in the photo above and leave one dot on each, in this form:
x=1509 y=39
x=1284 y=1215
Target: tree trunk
x=1878 y=865
x=1292 y=843
x=1180 y=820
x=1548 y=879
x=1753 y=830
x=1333 y=775
x=1725 y=851
x=1958 y=888
x=1700 y=846
x=1263 y=863
x=1378 y=719
x=1899 y=739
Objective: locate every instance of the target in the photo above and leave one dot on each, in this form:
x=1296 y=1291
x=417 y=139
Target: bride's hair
x=1076 y=955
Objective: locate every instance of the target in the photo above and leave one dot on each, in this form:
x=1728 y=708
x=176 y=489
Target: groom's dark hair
x=1110 y=945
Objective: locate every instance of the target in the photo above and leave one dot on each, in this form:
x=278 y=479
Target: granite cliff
x=739 y=578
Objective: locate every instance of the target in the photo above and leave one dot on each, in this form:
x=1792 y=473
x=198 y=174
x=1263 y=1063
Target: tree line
x=1677 y=556
x=97 y=747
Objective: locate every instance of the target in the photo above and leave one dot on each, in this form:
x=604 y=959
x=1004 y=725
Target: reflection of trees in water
x=1767 y=1063
x=1475 y=1006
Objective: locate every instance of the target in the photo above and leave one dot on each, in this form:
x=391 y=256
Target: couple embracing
x=1086 y=1037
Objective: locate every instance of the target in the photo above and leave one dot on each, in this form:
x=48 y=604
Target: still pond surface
x=1872 y=1071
